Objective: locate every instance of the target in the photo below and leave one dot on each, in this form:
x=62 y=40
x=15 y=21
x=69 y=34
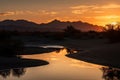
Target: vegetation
x=111 y=73
x=9 y=47
x=15 y=72
x=112 y=33
x=12 y=46
x=71 y=32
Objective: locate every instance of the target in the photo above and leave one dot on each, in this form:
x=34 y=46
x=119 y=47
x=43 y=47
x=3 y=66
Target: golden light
x=114 y=23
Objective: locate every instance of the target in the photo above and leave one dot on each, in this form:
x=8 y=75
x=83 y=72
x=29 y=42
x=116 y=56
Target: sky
x=98 y=12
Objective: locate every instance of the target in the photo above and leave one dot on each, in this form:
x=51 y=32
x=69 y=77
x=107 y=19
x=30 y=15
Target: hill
x=53 y=26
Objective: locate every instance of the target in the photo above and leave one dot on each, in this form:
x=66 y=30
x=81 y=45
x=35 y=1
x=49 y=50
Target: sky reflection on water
x=60 y=68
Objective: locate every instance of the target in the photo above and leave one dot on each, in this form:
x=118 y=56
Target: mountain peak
x=55 y=25
x=55 y=21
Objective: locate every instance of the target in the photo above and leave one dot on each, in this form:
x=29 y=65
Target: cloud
x=88 y=17
x=108 y=6
x=49 y=12
x=107 y=17
x=97 y=9
x=19 y=12
x=78 y=11
x=28 y=12
x=81 y=7
x=7 y=13
x=38 y=12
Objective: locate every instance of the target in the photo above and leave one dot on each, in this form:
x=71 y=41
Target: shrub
x=112 y=33
x=72 y=32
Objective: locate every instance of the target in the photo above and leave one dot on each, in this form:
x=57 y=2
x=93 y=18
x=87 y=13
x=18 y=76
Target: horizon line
x=50 y=21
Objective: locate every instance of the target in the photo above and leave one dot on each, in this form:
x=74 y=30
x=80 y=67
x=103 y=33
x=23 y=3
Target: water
x=60 y=67
x=45 y=46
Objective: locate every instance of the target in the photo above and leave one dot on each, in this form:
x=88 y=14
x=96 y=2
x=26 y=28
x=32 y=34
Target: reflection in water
x=68 y=51
x=111 y=73
x=15 y=72
x=63 y=68
x=16 y=66
x=60 y=68
x=18 y=72
x=5 y=73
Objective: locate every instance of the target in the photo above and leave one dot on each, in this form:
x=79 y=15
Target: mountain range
x=53 y=26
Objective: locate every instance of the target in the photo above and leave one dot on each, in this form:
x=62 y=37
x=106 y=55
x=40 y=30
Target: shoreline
x=107 y=55
x=91 y=50
x=93 y=61
x=97 y=51
x=10 y=63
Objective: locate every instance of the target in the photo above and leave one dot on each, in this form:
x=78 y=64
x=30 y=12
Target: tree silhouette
x=111 y=73
x=5 y=73
x=18 y=72
x=15 y=72
x=112 y=32
x=70 y=31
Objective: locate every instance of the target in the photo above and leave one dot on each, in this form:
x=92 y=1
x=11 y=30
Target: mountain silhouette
x=53 y=26
x=18 y=25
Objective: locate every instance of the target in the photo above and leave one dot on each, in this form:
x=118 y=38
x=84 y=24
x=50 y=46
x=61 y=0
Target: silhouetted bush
x=111 y=73
x=15 y=72
x=71 y=32
x=91 y=34
x=112 y=33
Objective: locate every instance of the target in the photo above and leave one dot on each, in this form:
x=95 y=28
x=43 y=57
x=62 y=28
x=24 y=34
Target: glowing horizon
x=39 y=11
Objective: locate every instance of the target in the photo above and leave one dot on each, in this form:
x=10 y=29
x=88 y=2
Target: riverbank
x=97 y=51
x=91 y=50
x=107 y=54
x=69 y=43
x=36 y=50
x=14 y=62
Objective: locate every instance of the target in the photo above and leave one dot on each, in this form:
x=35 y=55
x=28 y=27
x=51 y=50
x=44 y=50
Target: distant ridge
x=53 y=26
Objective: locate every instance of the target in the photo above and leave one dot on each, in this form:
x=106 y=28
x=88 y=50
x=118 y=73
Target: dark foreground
x=10 y=63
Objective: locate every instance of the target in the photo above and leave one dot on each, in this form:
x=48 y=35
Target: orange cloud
x=78 y=11
x=107 y=17
x=108 y=6
x=39 y=12
x=98 y=11
x=82 y=7
x=48 y=12
x=7 y=13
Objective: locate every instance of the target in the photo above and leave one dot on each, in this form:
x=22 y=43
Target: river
x=60 y=67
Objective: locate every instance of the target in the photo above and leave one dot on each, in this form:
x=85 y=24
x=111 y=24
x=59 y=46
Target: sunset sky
x=98 y=12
